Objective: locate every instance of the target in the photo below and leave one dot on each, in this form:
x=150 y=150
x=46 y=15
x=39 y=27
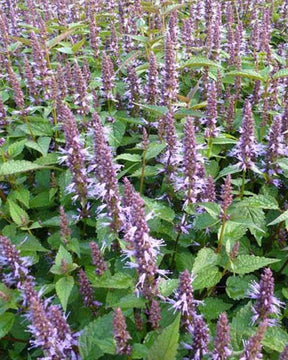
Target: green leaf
x=198 y=61
x=213 y=307
x=203 y=221
x=159 y=209
x=16 y=148
x=232 y=169
x=6 y=323
x=22 y=195
x=282 y=217
x=63 y=254
x=166 y=344
x=154 y=150
x=64 y=287
x=166 y=287
x=96 y=338
x=280 y=74
x=260 y=201
x=245 y=264
x=13 y=167
x=49 y=159
x=237 y=287
x=240 y=326
x=207 y=278
x=149 y=171
x=275 y=338
x=251 y=74
x=129 y=157
x=118 y=281
x=19 y=216
x=213 y=209
x=206 y=258
x=159 y=110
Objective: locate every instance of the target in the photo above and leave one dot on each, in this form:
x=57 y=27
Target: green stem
x=177 y=241
x=209 y=149
x=142 y=172
x=243 y=184
x=221 y=233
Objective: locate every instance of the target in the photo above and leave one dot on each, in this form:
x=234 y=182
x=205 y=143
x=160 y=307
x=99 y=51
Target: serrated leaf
x=13 y=167
x=198 y=61
x=63 y=254
x=159 y=110
x=213 y=307
x=49 y=159
x=280 y=74
x=240 y=326
x=6 y=323
x=149 y=171
x=213 y=209
x=96 y=338
x=166 y=287
x=166 y=344
x=282 y=217
x=207 y=278
x=118 y=281
x=129 y=157
x=237 y=287
x=260 y=201
x=205 y=258
x=63 y=288
x=159 y=209
x=251 y=74
x=19 y=216
x=232 y=169
x=204 y=221
x=275 y=338
x=154 y=150
x=245 y=264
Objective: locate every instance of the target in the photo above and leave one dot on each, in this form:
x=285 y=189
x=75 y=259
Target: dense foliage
x=143 y=179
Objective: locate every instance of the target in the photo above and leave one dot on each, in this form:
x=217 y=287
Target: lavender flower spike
x=152 y=91
x=253 y=347
x=18 y=265
x=169 y=88
x=121 y=335
x=97 y=259
x=246 y=149
x=142 y=247
x=226 y=196
x=284 y=354
x=222 y=346
x=266 y=303
x=185 y=302
x=275 y=146
x=105 y=172
x=75 y=155
x=211 y=114
x=107 y=76
x=200 y=333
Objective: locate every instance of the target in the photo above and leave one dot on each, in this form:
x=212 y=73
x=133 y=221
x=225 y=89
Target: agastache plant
x=74 y=156
x=104 y=169
x=266 y=303
x=222 y=345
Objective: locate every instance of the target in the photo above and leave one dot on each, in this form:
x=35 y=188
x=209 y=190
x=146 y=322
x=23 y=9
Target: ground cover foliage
x=143 y=179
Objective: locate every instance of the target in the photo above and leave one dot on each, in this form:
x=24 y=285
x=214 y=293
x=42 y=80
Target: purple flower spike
x=275 y=146
x=184 y=299
x=284 y=354
x=97 y=259
x=253 y=347
x=18 y=265
x=133 y=92
x=154 y=314
x=106 y=187
x=222 y=340
x=169 y=88
x=141 y=246
x=75 y=155
x=211 y=114
x=266 y=303
x=200 y=333
x=121 y=335
x=247 y=148
x=226 y=196
x=87 y=292
x=107 y=76
x=152 y=90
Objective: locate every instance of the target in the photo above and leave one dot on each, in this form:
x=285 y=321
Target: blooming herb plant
x=143 y=179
